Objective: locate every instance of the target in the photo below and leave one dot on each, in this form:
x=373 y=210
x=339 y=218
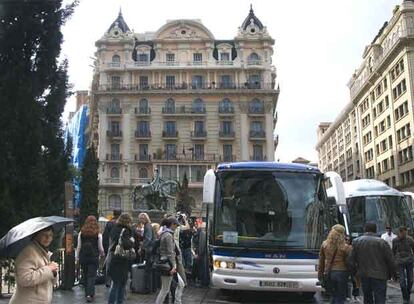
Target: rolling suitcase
x=137 y=278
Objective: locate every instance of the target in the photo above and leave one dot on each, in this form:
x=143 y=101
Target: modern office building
x=372 y=137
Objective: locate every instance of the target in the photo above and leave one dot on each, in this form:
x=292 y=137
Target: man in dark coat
x=403 y=247
x=106 y=236
x=372 y=257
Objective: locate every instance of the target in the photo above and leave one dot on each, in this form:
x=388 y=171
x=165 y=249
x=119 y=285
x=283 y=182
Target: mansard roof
x=120 y=22
x=251 y=17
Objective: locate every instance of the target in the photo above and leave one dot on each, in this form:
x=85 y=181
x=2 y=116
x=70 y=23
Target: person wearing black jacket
x=372 y=257
x=147 y=245
x=403 y=248
x=118 y=267
x=105 y=241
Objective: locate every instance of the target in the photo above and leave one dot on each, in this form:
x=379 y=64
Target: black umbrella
x=20 y=236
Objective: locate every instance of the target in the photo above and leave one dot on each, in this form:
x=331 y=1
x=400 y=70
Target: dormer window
x=197 y=58
x=253 y=59
x=116 y=60
x=170 y=58
x=143 y=59
x=225 y=56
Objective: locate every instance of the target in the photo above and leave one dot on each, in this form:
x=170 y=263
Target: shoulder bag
x=121 y=252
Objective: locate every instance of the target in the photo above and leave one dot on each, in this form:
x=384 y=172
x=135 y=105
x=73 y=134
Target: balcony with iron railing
x=254 y=62
x=227 y=135
x=183 y=110
x=142 y=158
x=113 y=65
x=187 y=157
x=257 y=134
x=113 y=111
x=256 y=111
x=142 y=111
x=170 y=134
x=141 y=134
x=114 y=157
x=112 y=180
x=226 y=111
x=258 y=157
x=114 y=134
x=142 y=180
x=184 y=87
x=199 y=135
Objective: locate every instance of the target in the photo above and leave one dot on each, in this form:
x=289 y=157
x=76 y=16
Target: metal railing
x=114 y=110
x=142 y=157
x=187 y=87
x=183 y=110
x=199 y=134
x=143 y=110
x=226 y=134
x=112 y=180
x=256 y=110
x=226 y=110
x=111 y=133
x=172 y=134
x=114 y=156
x=254 y=62
x=142 y=134
x=258 y=157
x=257 y=134
x=188 y=157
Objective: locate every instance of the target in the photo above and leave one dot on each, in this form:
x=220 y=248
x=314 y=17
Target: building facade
x=180 y=101
x=372 y=137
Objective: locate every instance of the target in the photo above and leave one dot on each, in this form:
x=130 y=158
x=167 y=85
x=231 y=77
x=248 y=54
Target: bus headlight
x=224 y=264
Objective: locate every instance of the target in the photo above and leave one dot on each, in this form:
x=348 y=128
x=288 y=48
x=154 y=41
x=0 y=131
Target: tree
x=183 y=198
x=34 y=163
x=89 y=185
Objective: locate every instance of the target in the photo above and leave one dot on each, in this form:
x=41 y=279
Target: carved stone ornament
x=183 y=32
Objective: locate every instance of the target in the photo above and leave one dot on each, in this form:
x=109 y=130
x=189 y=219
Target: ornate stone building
x=373 y=136
x=181 y=101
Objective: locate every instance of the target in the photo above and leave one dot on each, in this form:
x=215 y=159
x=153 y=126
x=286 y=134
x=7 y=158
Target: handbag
x=163 y=266
x=327 y=280
x=121 y=252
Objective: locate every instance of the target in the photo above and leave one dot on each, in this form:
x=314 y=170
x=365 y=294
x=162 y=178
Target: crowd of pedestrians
x=369 y=262
x=171 y=254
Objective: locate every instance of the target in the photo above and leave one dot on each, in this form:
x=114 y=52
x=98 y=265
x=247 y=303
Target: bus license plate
x=279 y=284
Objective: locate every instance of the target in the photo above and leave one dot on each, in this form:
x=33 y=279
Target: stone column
x=244 y=137
x=270 y=153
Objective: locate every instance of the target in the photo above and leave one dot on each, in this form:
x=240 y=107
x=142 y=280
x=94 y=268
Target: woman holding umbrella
x=35 y=273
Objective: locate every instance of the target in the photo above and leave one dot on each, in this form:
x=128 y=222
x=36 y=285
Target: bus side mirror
x=337 y=190
x=209 y=187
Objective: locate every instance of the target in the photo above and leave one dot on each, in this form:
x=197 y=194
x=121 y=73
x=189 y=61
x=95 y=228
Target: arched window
x=115 y=202
x=226 y=106
x=169 y=106
x=115 y=172
x=199 y=106
x=143 y=106
x=143 y=173
x=253 y=59
x=256 y=106
x=116 y=59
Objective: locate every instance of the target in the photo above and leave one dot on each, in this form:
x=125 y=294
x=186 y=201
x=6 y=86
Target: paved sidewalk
x=193 y=295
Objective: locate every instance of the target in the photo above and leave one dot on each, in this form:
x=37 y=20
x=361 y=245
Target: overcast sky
x=318 y=45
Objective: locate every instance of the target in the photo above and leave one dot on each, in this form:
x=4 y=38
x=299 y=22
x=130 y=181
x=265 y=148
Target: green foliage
x=89 y=185
x=34 y=163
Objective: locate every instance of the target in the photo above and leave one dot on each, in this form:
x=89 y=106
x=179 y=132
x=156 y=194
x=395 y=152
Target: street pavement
x=194 y=295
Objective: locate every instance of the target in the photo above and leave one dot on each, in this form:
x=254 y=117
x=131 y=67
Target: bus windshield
x=382 y=210
x=265 y=209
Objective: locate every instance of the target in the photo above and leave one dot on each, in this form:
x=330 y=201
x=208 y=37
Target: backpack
x=88 y=250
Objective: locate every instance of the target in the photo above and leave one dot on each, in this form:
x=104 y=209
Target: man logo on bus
x=276 y=270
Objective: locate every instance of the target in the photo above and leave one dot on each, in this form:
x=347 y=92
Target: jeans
x=339 y=286
x=375 y=290
x=187 y=258
x=117 y=293
x=165 y=288
x=89 y=271
x=406 y=280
